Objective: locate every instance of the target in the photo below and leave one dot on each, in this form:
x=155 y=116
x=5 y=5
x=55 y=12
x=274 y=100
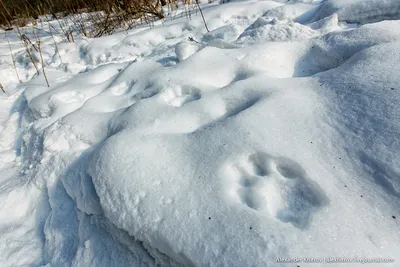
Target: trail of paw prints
x=278 y=186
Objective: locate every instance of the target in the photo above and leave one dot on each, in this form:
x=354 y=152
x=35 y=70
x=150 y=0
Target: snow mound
x=244 y=186
x=264 y=30
x=185 y=49
x=360 y=11
x=298 y=12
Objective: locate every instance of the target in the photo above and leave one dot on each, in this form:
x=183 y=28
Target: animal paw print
x=278 y=186
x=179 y=96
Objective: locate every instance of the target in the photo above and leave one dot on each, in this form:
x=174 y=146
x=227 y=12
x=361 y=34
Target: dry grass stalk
x=41 y=56
x=201 y=12
x=13 y=58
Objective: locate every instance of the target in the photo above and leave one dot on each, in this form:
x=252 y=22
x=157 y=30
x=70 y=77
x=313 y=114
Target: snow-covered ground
x=274 y=135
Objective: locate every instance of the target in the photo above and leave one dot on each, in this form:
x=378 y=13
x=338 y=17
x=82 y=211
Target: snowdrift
x=275 y=135
x=361 y=11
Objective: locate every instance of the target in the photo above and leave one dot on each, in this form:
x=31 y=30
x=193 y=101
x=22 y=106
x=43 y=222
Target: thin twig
x=26 y=39
x=193 y=40
x=2 y=88
x=61 y=26
x=54 y=41
x=201 y=12
x=13 y=58
x=23 y=39
x=41 y=57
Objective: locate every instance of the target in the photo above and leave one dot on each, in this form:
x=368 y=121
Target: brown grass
x=89 y=18
x=111 y=11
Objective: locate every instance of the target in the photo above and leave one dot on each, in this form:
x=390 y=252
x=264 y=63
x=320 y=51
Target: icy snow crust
x=274 y=135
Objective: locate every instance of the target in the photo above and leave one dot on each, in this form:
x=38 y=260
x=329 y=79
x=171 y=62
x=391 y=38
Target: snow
x=274 y=135
x=361 y=11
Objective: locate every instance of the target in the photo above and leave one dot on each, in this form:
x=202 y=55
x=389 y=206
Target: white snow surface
x=361 y=11
x=274 y=135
